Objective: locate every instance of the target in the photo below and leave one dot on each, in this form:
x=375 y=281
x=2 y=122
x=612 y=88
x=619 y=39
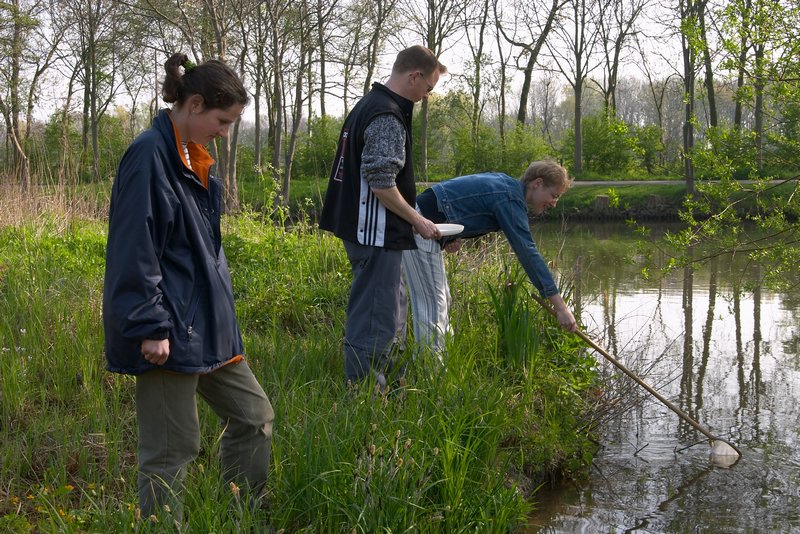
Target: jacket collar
x=200 y=158
x=406 y=105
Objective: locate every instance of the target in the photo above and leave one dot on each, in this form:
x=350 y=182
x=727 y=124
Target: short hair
x=551 y=173
x=419 y=58
x=214 y=80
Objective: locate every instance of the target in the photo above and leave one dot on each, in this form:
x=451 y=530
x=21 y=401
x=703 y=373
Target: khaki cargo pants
x=169 y=431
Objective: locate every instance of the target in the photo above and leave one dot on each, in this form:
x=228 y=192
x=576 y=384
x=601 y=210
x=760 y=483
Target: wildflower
x=29 y=497
x=137 y=515
x=408 y=444
x=14 y=499
x=167 y=509
x=335 y=407
x=201 y=468
x=436 y=451
x=399 y=462
x=372 y=450
x=397 y=435
x=69 y=487
x=61 y=512
x=235 y=490
x=153 y=519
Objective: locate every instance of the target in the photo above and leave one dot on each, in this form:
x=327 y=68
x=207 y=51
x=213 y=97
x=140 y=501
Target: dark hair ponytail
x=213 y=80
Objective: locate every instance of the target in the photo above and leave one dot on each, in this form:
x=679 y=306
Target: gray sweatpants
x=169 y=431
x=376 y=312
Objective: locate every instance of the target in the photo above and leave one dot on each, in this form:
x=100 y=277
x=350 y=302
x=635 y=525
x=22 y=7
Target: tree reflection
x=687 y=379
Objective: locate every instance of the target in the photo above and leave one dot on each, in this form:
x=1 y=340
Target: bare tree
x=435 y=22
x=536 y=20
x=688 y=13
x=542 y=105
x=252 y=27
x=358 y=43
x=657 y=87
x=572 y=55
x=616 y=26
x=302 y=38
x=705 y=46
x=479 y=59
x=208 y=27
x=92 y=31
x=324 y=15
x=27 y=52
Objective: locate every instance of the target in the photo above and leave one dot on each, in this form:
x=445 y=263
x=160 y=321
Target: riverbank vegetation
x=460 y=447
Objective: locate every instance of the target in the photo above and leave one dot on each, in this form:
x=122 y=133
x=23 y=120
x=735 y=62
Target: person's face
x=206 y=124
x=541 y=197
x=423 y=84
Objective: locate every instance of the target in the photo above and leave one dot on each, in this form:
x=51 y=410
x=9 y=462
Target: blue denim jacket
x=492 y=201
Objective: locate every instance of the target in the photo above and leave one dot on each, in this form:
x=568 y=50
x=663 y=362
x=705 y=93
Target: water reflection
x=730 y=359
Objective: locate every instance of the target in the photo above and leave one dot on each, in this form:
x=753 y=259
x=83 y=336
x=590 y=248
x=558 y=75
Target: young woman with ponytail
x=168 y=309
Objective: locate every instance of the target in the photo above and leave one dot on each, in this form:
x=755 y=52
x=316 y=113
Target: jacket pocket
x=189 y=332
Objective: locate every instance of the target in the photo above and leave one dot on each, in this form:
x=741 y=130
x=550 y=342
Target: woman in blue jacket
x=168 y=310
x=482 y=203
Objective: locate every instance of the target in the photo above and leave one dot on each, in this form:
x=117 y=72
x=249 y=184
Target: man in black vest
x=369 y=205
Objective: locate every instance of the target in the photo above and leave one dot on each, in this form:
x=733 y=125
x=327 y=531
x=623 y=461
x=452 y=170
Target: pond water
x=729 y=360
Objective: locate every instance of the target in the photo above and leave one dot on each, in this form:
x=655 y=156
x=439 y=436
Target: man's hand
x=426 y=228
x=156 y=350
x=390 y=197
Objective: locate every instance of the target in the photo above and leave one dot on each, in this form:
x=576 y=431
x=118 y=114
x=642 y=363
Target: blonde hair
x=551 y=173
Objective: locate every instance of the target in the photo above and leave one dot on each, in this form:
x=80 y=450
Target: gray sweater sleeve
x=384 y=153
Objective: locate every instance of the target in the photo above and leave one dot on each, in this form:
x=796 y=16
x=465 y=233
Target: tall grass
x=454 y=447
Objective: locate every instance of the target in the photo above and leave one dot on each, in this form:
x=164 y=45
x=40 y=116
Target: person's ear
x=195 y=104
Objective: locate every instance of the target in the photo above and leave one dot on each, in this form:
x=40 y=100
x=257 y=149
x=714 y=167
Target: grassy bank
x=456 y=448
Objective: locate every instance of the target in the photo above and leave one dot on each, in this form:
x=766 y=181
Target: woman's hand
x=155 y=350
x=564 y=316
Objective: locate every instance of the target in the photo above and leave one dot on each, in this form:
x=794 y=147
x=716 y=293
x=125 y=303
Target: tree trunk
x=687 y=13
x=709 y=70
x=232 y=187
x=526 y=89
x=758 y=110
x=578 y=112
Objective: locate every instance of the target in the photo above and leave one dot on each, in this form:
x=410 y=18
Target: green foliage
x=472 y=155
x=459 y=447
x=317 y=148
x=608 y=146
x=649 y=146
x=715 y=217
x=62 y=148
x=524 y=144
x=451 y=148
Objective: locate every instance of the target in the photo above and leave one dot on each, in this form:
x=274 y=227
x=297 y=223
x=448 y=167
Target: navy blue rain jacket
x=166 y=273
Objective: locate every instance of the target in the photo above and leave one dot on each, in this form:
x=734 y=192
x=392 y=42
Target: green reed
x=451 y=448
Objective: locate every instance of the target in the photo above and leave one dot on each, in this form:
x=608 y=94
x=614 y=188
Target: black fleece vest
x=350 y=210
